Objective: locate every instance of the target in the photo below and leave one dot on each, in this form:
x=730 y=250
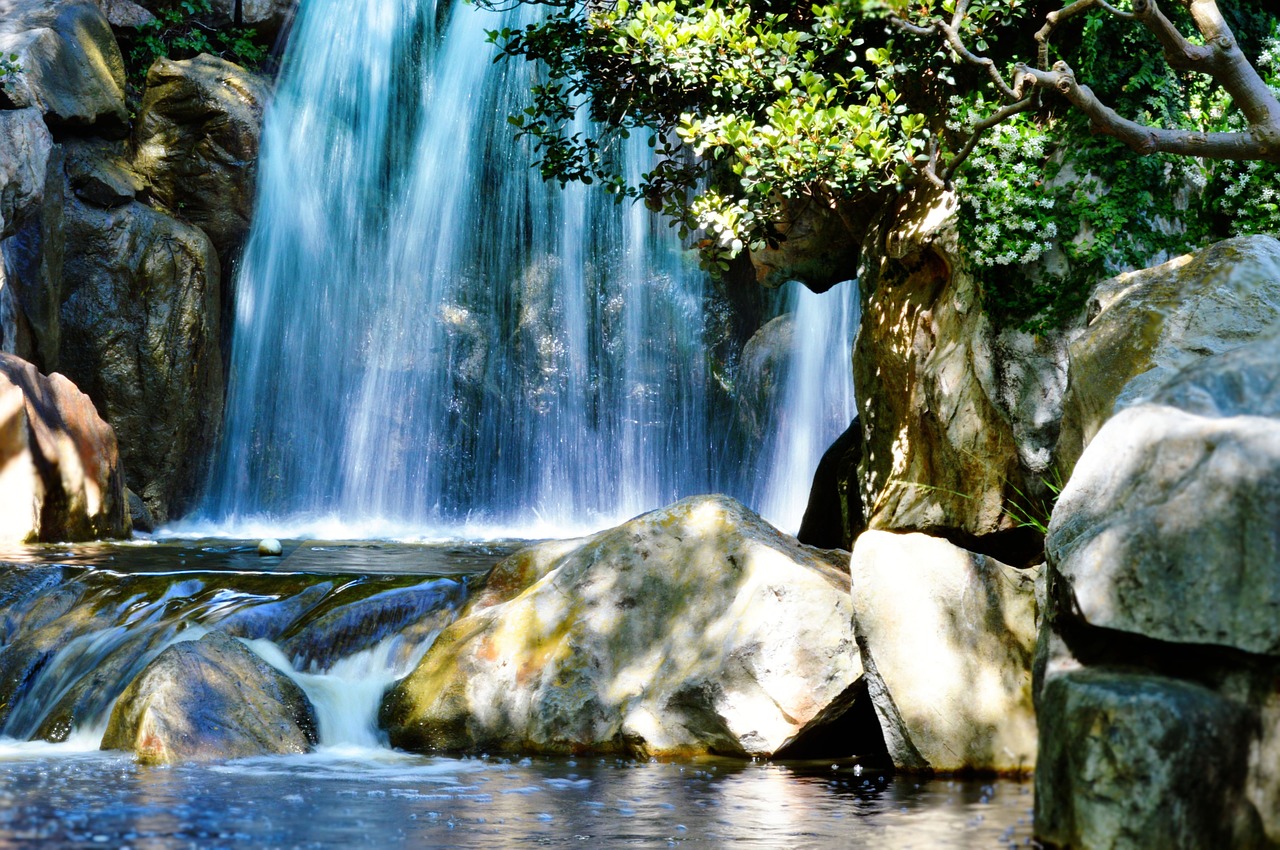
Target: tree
x=758 y=109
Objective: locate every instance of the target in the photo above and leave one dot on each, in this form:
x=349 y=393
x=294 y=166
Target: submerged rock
x=72 y=70
x=210 y=700
x=947 y=639
x=696 y=628
x=60 y=475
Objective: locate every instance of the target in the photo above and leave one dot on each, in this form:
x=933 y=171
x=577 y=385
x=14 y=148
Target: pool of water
x=355 y=792
x=58 y=798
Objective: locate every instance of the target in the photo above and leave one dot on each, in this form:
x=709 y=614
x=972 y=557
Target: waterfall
x=429 y=339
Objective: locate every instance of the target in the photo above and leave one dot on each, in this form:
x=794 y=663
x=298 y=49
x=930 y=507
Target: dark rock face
x=210 y=700
x=60 y=475
x=72 y=68
x=141 y=335
x=833 y=517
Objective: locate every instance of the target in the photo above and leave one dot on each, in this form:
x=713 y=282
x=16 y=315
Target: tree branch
x=1142 y=138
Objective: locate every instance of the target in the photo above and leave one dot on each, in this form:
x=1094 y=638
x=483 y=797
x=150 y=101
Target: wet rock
x=696 y=628
x=763 y=375
x=269 y=546
x=196 y=141
x=23 y=592
x=1131 y=761
x=947 y=639
x=815 y=246
x=1170 y=525
x=968 y=427
x=30 y=238
x=99 y=175
x=60 y=475
x=72 y=68
x=410 y=614
x=1144 y=326
x=141 y=335
x=210 y=700
x=269 y=620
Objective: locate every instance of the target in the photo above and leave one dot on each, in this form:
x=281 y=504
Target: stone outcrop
x=195 y=143
x=696 y=628
x=833 y=515
x=1146 y=325
x=60 y=476
x=140 y=327
x=72 y=68
x=210 y=700
x=959 y=419
x=947 y=639
x=1162 y=594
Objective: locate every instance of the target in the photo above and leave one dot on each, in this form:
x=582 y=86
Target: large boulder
x=1162 y=563
x=947 y=639
x=1170 y=525
x=1132 y=761
x=696 y=628
x=1146 y=325
x=140 y=334
x=210 y=700
x=30 y=238
x=60 y=476
x=195 y=142
x=72 y=70
x=960 y=446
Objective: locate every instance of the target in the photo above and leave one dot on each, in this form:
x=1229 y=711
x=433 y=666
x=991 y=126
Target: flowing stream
x=430 y=340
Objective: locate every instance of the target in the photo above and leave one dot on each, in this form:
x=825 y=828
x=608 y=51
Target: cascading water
x=428 y=336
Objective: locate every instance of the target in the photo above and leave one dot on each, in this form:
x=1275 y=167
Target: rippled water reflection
x=58 y=799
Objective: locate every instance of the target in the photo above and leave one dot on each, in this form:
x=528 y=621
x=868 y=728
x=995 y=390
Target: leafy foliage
x=178 y=33
x=753 y=105
x=9 y=66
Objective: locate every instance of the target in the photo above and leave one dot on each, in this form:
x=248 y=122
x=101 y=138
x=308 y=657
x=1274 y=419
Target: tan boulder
x=947 y=639
x=60 y=476
x=692 y=629
x=959 y=418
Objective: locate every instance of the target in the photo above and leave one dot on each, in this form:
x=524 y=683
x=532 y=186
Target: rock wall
x=118 y=241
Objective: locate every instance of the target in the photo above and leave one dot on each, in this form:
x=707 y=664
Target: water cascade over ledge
x=430 y=339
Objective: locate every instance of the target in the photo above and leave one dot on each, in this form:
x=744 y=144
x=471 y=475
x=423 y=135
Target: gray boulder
x=692 y=629
x=947 y=638
x=210 y=700
x=1170 y=525
x=72 y=68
